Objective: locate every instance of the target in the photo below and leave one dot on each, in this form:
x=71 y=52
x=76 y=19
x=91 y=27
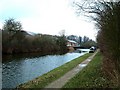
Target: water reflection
x=16 y=72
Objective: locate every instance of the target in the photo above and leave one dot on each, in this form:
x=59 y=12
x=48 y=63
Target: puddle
x=89 y=60
x=82 y=65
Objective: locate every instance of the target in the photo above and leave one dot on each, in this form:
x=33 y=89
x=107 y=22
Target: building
x=71 y=43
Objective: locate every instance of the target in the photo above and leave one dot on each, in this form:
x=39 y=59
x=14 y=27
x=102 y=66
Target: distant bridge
x=79 y=47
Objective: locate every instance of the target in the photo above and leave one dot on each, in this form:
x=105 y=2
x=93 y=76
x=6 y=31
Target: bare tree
x=106 y=15
x=62 y=33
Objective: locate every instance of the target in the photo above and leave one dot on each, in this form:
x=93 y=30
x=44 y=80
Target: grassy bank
x=47 y=78
x=91 y=76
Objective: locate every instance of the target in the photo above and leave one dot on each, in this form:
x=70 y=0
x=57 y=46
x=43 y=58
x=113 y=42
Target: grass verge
x=91 y=76
x=49 y=77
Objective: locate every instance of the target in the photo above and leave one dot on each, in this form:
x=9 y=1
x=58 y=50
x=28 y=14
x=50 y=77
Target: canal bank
x=51 y=76
x=92 y=76
x=22 y=70
x=59 y=83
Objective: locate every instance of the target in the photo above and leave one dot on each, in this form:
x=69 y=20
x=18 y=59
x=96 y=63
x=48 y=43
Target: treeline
x=106 y=16
x=84 y=42
x=109 y=39
x=16 y=40
x=88 y=43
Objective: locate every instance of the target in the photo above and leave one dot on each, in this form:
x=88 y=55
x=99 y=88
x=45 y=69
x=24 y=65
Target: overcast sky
x=46 y=17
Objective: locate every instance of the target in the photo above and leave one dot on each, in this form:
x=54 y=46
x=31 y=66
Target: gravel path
x=59 y=83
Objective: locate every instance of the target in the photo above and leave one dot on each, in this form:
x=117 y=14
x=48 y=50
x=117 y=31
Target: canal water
x=16 y=72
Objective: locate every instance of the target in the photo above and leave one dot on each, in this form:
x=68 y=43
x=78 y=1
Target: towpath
x=59 y=83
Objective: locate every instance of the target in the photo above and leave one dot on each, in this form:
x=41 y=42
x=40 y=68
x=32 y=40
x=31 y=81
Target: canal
x=16 y=72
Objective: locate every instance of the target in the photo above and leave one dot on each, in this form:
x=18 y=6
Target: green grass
x=49 y=77
x=91 y=76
